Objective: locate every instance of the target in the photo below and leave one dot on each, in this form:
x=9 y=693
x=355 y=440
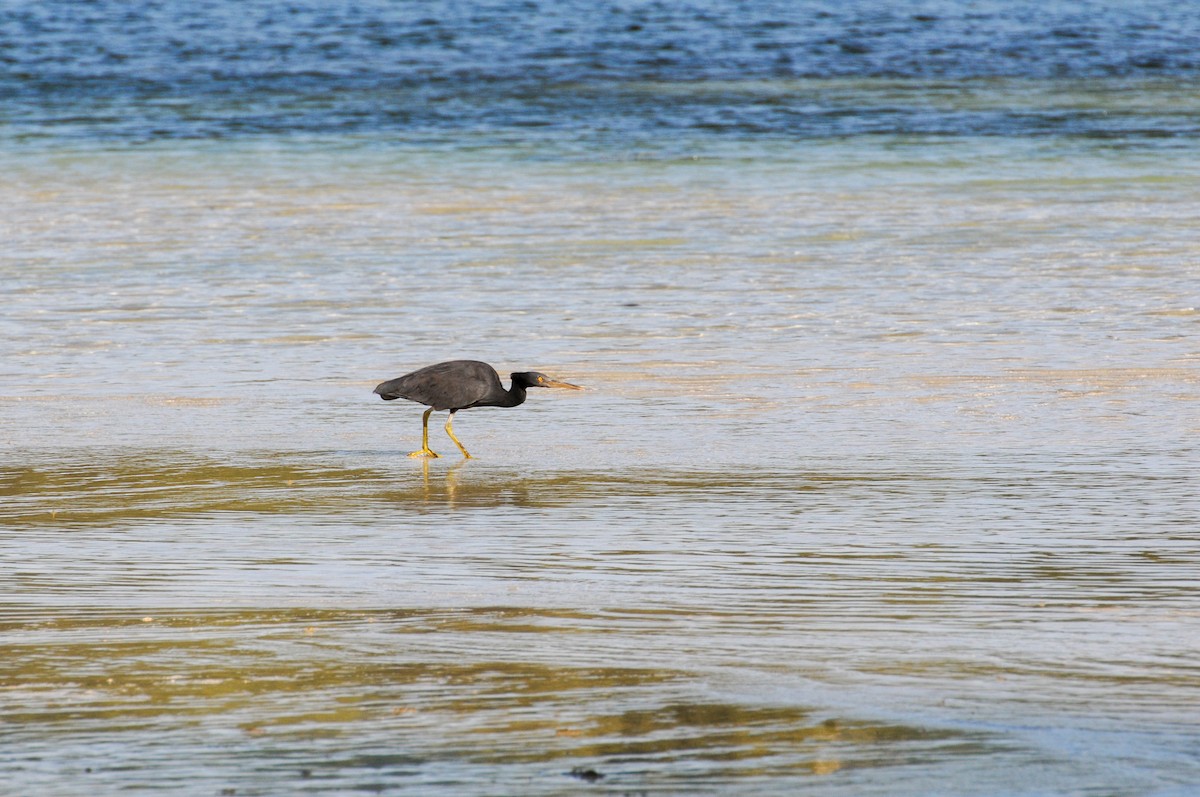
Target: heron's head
x=538 y=379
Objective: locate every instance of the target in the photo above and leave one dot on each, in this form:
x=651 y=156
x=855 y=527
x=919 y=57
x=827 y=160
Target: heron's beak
x=556 y=383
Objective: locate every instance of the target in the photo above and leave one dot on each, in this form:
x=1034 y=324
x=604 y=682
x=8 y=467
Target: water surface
x=884 y=482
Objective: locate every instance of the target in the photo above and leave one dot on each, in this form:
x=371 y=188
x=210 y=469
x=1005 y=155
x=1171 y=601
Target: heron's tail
x=387 y=390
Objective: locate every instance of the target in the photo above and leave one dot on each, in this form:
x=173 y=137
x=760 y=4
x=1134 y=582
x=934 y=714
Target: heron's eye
x=541 y=379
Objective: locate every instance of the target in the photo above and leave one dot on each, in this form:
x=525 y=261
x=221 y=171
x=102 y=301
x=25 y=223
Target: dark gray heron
x=459 y=385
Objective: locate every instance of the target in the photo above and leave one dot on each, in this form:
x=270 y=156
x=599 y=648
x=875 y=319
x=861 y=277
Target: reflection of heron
x=459 y=385
x=431 y=492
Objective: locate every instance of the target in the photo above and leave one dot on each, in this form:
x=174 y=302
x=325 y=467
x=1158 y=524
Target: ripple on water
x=362 y=692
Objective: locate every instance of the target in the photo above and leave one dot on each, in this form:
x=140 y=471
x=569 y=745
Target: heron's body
x=459 y=385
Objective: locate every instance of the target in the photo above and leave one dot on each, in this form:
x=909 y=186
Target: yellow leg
x=450 y=432
x=425 y=450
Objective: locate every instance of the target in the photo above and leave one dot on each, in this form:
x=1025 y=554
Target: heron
x=459 y=385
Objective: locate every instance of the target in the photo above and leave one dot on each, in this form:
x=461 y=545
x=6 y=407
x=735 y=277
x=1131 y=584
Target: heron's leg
x=425 y=450
x=450 y=431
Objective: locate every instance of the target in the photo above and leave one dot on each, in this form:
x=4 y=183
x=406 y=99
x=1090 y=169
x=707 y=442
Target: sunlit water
x=885 y=477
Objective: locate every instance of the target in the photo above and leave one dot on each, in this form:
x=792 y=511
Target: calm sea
x=885 y=480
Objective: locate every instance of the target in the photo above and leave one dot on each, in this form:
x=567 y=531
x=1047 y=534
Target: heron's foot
x=424 y=452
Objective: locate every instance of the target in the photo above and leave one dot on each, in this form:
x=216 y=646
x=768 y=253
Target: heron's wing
x=445 y=386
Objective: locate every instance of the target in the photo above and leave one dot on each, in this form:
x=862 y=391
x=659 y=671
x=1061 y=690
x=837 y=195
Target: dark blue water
x=623 y=72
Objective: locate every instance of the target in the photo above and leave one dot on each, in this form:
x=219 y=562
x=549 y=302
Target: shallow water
x=487 y=627
x=884 y=479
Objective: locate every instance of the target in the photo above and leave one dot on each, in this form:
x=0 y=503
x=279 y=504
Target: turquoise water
x=883 y=482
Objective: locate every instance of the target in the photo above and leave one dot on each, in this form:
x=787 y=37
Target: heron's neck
x=515 y=396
